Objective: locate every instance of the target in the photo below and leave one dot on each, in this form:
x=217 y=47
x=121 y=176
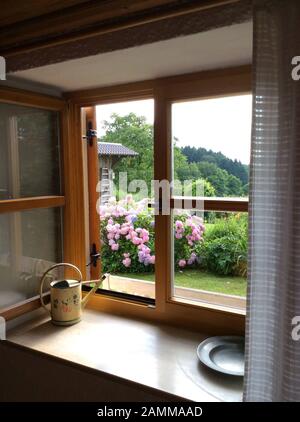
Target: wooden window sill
x=145 y=353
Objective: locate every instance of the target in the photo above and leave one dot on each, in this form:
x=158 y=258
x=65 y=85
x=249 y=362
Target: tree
x=184 y=171
x=234 y=186
x=135 y=133
x=234 y=167
x=216 y=176
x=198 y=185
x=189 y=163
x=225 y=184
x=181 y=165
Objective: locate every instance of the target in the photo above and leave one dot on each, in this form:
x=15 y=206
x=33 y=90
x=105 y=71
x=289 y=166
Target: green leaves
x=135 y=133
x=225 y=246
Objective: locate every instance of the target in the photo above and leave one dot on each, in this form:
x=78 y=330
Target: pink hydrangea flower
x=182 y=263
x=147 y=250
x=109 y=228
x=124 y=230
x=179 y=224
x=152 y=259
x=136 y=241
x=126 y=262
x=115 y=247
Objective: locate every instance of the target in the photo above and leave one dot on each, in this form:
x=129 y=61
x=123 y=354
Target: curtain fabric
x=272 y=370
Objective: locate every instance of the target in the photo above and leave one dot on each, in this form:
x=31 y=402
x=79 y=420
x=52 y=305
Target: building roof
x=111 y=148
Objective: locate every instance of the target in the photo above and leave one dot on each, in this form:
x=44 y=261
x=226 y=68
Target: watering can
x=66 y=296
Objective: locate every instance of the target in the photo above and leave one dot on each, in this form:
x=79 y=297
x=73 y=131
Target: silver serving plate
x=224 y=354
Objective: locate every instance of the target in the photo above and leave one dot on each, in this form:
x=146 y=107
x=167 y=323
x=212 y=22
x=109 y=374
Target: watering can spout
x=87 y=297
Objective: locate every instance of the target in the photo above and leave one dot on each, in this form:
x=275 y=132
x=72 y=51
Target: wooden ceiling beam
x=20 y=10
x=91 y=19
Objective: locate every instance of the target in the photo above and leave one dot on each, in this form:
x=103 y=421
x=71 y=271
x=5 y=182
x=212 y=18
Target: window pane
x=30 y=152
x=30 y=242
x=210 y=257
x=211 y=146
x=125 y=150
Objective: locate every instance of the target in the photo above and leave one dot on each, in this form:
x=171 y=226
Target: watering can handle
x=62 y=264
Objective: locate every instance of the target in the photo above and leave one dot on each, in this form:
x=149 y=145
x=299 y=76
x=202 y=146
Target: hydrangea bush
x=127 y=237
x=188 y=234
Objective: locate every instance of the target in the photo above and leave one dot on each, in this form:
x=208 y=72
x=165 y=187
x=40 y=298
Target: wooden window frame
x=209 y=318
x=224 y=82
x=71 y=201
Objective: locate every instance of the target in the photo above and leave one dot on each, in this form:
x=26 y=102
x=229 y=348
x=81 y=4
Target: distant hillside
x=234 y=167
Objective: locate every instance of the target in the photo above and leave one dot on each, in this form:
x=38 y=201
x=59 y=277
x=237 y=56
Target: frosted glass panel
x=30 y=242
x=29 y=151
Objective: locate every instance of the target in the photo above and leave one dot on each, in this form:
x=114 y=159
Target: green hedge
x=225 y=247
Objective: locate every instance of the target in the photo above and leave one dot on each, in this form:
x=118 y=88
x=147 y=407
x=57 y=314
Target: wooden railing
x=202 y=203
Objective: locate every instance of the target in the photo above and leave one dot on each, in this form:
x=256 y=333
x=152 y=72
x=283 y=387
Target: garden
x=209 y=254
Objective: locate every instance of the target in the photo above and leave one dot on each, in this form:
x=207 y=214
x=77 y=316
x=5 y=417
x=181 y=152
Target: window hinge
x=90 y=134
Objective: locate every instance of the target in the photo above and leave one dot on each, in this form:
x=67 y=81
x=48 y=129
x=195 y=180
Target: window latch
x=94 y=255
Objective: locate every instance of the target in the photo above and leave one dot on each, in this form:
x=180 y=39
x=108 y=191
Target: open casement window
x=214 y=301
x=122 y=221
x=37 y=195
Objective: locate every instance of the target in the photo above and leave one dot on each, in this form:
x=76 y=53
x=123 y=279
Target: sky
x=219 y=124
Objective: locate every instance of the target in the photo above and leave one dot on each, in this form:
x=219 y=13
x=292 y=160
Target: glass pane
x=210 y=256
x=211 y=146
x=30 y=152
x=30 y=242
x=126 y=166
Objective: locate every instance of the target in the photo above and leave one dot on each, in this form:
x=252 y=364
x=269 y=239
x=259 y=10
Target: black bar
x=127 y=411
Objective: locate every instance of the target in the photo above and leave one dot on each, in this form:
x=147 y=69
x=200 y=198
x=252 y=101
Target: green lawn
x=203 y=281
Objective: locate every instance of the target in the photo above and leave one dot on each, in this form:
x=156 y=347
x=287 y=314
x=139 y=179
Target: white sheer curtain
x=272 y=356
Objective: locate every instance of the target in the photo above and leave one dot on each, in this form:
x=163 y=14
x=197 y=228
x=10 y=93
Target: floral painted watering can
x=66 y=296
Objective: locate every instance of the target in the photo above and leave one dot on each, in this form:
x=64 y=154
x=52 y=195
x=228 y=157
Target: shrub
x=127 y=237
x=229 y=224
x=188 y=235
x=220 y=255
x=225 y=246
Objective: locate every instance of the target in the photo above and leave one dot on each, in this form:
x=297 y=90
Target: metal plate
x=224 y=354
